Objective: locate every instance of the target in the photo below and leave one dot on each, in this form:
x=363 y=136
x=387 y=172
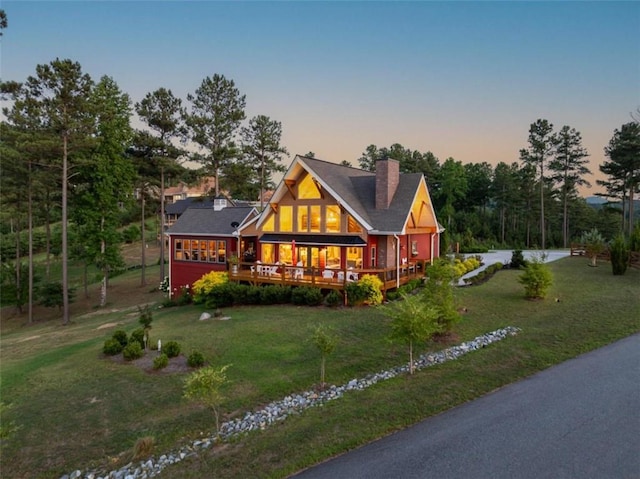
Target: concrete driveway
x=504 y=257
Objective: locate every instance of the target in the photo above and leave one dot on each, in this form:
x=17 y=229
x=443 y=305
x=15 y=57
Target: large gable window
x=307 y=189
x=353 y=226
x=303 y=219
x=286 y=218
x=332 y=219
x=269 y=224
x=314 y=223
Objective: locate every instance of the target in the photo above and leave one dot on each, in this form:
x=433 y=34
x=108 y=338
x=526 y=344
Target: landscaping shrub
x=218 y=297
x=112 y=347
x=537 y=279
x=203 y=287
x=161 y=362
x=132 y=351
x=254 y=295
x=306 y=295
x=619 y=255
x=517 y=259
x=333 y=299
x=366 y=290
x=594 y=244
x=276 y=294
x=171 y=349
x=195 y=359
x=137 y=336
x=121 y=336
x=373 y=287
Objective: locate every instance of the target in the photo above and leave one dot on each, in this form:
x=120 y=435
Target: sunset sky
x=460 y=79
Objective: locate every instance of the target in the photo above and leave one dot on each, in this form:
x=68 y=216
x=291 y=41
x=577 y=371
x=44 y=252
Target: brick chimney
x=387 y=179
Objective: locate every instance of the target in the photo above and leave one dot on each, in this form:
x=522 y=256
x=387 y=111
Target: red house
x=325 y=224
x=203 y=240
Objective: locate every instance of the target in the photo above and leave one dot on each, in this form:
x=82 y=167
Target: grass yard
x=74 y=408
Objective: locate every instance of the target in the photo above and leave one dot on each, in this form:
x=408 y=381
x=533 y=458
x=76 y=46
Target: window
x=332 y=219
x=269 y=224
x=373 y=256
x=414 y=248
x=286 y=218
x=268 y=253
x=352 y=225
x=314 y=226
x=210 y=251
x=303 y=219
x=354 y=257
x=285 y=253
x=308 y=190
x=333 y=256
x=222 y=251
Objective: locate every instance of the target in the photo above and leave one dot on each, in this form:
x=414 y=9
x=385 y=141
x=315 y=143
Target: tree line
x=531 y=202
x=70 y=156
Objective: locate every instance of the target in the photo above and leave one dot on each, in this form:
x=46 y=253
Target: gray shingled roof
x=180 y=206
x=200 y=221
x=357 y=189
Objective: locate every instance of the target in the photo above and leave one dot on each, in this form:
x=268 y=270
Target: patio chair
x=298 y=273
x=327 y=274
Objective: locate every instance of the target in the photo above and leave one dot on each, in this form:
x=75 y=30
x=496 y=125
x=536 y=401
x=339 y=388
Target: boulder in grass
x=204 y=316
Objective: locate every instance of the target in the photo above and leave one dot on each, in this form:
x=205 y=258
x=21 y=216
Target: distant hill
x=596 y=200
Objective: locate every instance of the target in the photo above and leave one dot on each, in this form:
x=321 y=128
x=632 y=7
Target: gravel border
x=292 y=404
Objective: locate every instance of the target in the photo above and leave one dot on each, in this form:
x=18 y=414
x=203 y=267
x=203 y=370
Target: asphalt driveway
x=579 y=419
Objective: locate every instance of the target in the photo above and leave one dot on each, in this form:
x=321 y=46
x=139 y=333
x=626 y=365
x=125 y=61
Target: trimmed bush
x=276 y=294
x=195 y=359
x=517 y=259
x=306 y=295
x=619 y=253
x=171 y=349
x=132 y=351
x=112 y=347
x=537 y=279
x=160 y=362
x=137 y=336
x=121 y=337
x=205 y=285
x=333 y=299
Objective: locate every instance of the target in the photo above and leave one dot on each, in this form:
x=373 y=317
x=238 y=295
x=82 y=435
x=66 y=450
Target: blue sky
x=460 y=79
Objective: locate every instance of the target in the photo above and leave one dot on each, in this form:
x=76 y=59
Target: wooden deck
x=327 y=278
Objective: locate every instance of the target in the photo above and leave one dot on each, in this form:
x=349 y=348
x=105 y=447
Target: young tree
x=261 y=146
x=204 y=386
x=105 y=180
x=216 y=113
x=537 y=278
x=438 y=293
x=325 y=341
x=568 y=168
x=623 y=168
x=164 y=115
x=63 y=94
x=413 y=320
x=539 y=150
x=594 y=244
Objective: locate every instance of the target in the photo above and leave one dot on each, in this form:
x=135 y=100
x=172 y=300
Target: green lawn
x=75 y=408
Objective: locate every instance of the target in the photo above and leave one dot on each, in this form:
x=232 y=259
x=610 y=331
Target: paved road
x=580 y=419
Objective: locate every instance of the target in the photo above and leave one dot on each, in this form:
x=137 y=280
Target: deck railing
x=329 y=278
